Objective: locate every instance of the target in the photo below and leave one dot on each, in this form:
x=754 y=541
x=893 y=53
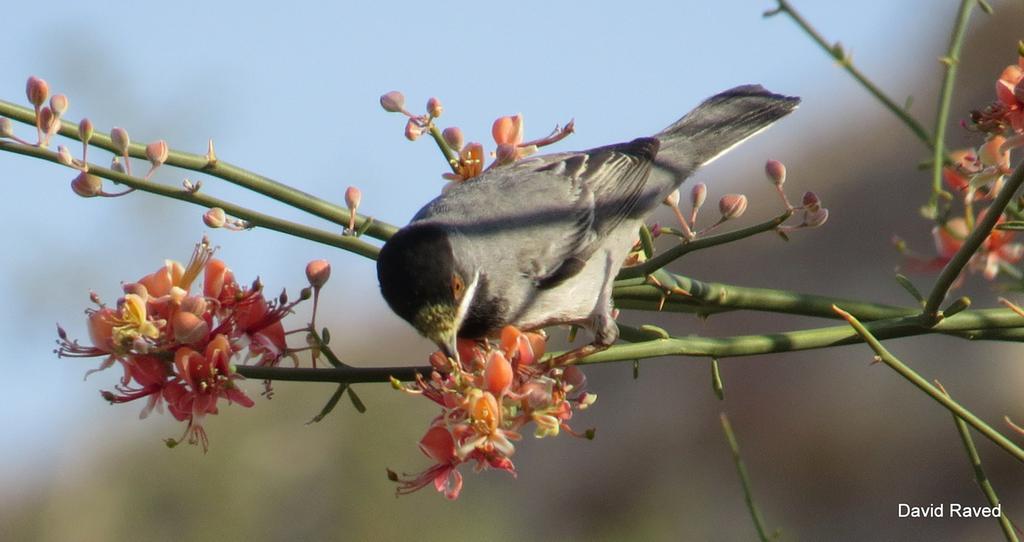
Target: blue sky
x=291 y=91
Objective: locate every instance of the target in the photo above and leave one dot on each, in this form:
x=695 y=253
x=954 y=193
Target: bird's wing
x=611 y=180
x=550 y=213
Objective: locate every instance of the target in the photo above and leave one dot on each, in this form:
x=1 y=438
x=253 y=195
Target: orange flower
x=470 y=163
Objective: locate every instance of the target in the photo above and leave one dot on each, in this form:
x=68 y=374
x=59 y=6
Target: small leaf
x=910 y=288
x=956 y=306
x=331 y=403
x=356 y=401
x=716 y=380
x=325 y=336
x=985 y=6
x=573 y=330
x=364 y=226
x=837 y=51
x=646 y=241
x=1012 y=225
x=655 y=330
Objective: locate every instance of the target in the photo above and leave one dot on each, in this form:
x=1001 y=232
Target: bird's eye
x=458 y=287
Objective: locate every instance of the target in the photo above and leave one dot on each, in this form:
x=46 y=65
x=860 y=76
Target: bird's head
x=424 y=283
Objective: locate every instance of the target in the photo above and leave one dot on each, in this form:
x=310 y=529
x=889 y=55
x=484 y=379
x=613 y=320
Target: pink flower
x=439 y=446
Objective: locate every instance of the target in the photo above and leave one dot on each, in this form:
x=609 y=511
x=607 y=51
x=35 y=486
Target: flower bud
x=59 y=104
x=440 y=362
x=393 y=102
x=352 y=198
x=196 y=304
x=37 y=91
x=85 y=130
x=453 y=137
x=672 y=200
x=48 y=121
x=776 y=172
x=434 y=107
x=215 y=218
x=698 y=194
x=574 y=377
x=816 y=218
x=505 y=153
x=87 y=185
x=64 y=156
x=317 y=273
x=189 y=328
x=497 y=373
x=157 y=152
x=508 y=130
x=732 y=206
x=412 y=130
x=117 y=165
x=119 y=138
x=6 y=128
x=811 y=202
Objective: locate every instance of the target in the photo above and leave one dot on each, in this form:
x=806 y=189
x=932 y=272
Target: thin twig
x=255 y=218
x=844 y=60
x=933 y=392
x=979 y=472
x=981 y=231
x=951 y=60
x=221 y=169
x=341 y=375
x=680 y=250
x=741 y=468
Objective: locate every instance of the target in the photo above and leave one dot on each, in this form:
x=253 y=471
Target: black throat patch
x=487 y=315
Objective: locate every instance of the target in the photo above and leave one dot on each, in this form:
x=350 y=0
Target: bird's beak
x=450 y=347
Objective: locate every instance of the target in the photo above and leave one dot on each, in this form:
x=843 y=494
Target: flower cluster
x=487 y=399
x=176 y=347
x=975 y=176
x=467 y=159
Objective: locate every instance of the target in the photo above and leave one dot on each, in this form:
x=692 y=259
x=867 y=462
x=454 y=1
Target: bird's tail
x=718 y=124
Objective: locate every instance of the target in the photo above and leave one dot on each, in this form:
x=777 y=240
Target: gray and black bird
x=539 y=241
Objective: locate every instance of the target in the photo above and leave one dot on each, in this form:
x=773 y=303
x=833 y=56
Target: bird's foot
x=573 y=356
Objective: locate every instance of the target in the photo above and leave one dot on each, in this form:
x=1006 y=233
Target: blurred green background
x=832 y=443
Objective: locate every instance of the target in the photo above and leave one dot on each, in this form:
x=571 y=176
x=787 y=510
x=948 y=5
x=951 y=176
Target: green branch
x=712 y=297
x=223 y=170
x=651 y=345
x=951 y=60
x=741 y=468
x=255 y=218
x=979 y=473
x=974 y=240
x=808 y=339
x=836 y=52
x=680 y=250
x=906 y=372
x=340 y=375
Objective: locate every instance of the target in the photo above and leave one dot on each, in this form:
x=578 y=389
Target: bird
x=539 y=242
